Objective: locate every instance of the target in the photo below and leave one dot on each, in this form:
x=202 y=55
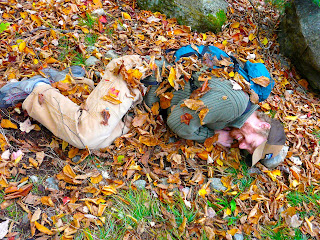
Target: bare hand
x=224 y=138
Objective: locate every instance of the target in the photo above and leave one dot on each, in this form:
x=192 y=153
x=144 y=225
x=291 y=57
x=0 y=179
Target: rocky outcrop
x=299 y=39
x=200 y=15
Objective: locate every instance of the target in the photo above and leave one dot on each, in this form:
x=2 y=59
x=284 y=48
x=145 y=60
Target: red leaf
x=105 y=115
x=185 y=118
x=103 y=19
x=65 y=200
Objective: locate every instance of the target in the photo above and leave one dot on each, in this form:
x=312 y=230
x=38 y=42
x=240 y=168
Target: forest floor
x=149 y=184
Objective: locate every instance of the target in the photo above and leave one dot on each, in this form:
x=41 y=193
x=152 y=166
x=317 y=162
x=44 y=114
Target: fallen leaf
x=262 y=81
x=105 y=116
x=6 y=123
x=26 y=126
x=185 y=118
x=4 y=228
x=43 y=229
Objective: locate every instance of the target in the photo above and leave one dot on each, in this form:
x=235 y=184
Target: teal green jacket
x=226 y=107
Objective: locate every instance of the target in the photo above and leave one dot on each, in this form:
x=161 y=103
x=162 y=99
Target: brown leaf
x=105 y=116
x=22 y=192
x=192 y=104
x=139 y=120
x=111 y=99
x=202 y=114
x=182 y=227
x=165 y=100
x=211 y=140
x=262 y=81
x=185 y=118
x=254 y=98
x=46 y=200
x=169 y=216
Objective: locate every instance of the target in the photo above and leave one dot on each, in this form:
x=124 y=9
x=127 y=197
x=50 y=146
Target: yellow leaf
x=204 y=36
x=276 y=172
x=23 y=14
x=126 y=15
x=6 y=123
x=109 y=190
x=69 y=171
x=232 y=231
x=51 y=60
x=97 y=3
x=97 y=179
x=64 y=145
x=225 y=42
x=295 y=183
x=266 y=106
x=42 y=228
x=18 y=159
x=140 y=36
x=202 y=192
x=172 y=76
x=22 y=46
x=35 y=61
x=293 y=118
x=36 y=19
x=192 y=104
x=265 y=41
x=68 y=79
x=231 y=74
x=47 y=201
x=228 y=211
x=251 y=37
x=33 y=162
x=84 y=30
x=219 y=162
x=29 y=50
x=3 y=182
x=235 y=25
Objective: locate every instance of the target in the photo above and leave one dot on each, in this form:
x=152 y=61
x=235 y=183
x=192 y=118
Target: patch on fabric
x=268 y=156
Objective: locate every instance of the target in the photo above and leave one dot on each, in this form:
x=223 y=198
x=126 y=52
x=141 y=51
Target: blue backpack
x=250 y=70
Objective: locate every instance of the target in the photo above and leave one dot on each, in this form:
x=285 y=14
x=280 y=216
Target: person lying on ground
x=99 y=122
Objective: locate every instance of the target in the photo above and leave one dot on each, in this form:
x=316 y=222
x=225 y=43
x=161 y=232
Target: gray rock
x=202 y=15
x=91 y=61
x=254 y=170
x=238 y=236
x=52 y=184
x=91 y=49
x=34 y=178
x=275 y=161
x=98 y=12
x=217 y=184
x=140 y=184
x=299 y=38
x=76 y=158
x=111 y=54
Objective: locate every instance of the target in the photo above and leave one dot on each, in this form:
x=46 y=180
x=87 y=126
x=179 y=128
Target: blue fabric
x=255 y=70
x=250 y=70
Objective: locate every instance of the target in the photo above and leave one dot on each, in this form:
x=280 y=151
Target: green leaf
x=4 y=26
x=233 y=205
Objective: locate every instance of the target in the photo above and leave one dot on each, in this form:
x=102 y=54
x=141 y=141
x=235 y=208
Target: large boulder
x=299 y=39
x=200 y=15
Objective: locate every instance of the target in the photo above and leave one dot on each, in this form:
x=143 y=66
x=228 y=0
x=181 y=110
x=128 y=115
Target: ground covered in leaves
x=149 y=184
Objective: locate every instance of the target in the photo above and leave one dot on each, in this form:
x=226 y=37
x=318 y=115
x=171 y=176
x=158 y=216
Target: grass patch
x=78 y=59
x=241 y=176
x=180 y=210
x=89 y=21
x=316 y=133
x=91 y=39
x=296 y=198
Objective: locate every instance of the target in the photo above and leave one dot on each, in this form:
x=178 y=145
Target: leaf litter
x=79 y=194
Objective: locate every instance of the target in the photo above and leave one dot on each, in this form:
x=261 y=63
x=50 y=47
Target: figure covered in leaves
x=99 y=120
x=214 y=94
